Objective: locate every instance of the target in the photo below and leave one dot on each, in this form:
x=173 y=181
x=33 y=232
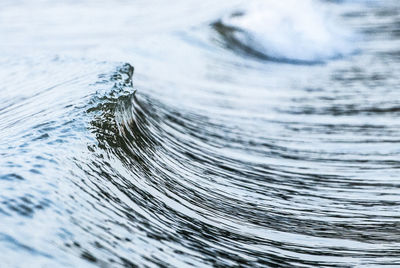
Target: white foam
x=302 y=30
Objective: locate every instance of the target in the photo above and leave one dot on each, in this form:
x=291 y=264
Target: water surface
x=199 y=133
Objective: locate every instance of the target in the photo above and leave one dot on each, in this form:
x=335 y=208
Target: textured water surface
x=199 y=133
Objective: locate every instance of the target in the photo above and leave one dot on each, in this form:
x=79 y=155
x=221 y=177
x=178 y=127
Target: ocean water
x=199 y=133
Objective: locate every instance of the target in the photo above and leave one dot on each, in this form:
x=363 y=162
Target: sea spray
x=292 y=30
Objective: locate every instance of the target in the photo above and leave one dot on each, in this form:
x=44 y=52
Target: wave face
x=292 y=31
x=126 y=143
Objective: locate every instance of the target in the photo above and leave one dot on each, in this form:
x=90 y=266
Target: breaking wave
x=301 y=31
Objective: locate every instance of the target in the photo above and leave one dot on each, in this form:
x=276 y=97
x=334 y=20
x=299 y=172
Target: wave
x=202 y=158
x=294 y=31
x=187 y=185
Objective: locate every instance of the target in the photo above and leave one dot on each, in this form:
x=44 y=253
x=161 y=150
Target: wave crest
x=290 y=31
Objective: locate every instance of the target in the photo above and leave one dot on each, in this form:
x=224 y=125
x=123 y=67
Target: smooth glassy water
x=199 y=133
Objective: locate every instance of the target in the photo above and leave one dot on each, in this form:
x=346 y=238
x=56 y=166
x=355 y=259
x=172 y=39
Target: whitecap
x=292 y=30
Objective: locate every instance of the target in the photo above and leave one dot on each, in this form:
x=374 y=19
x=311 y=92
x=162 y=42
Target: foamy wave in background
x=294 y=30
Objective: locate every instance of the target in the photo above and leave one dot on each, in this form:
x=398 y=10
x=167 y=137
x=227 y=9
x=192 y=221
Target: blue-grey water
x=199 y=133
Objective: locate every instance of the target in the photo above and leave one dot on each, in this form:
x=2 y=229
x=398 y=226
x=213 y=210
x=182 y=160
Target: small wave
x=290 y=31
x=177 y=178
